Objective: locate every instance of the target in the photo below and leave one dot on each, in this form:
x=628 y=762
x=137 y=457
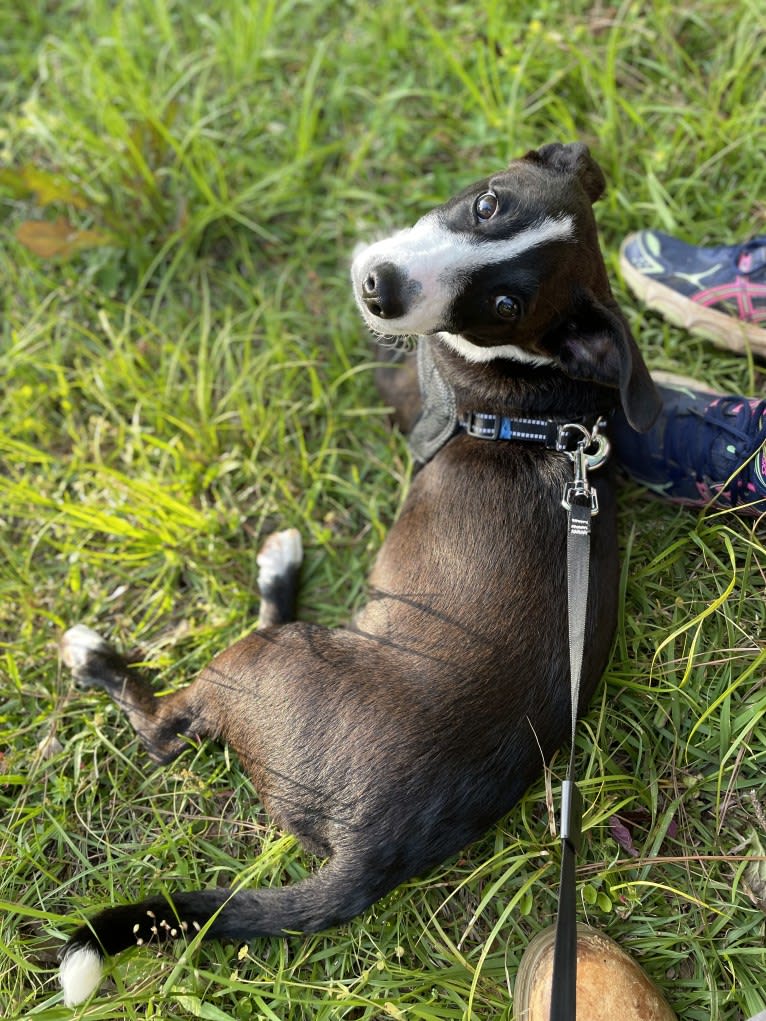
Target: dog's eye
x=486 y=205
x=506 y=307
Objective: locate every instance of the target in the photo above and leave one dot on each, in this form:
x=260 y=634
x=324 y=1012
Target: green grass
x=172 y=395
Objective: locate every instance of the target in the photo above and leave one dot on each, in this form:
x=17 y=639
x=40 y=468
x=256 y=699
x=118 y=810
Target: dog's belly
x=476 y=563
x=471 y=586
x=435 y=707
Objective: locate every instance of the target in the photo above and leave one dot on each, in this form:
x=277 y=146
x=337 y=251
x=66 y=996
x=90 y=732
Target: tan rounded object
x=610 y=984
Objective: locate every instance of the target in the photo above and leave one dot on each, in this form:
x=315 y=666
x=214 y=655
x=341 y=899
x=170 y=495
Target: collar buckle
x=482 y=424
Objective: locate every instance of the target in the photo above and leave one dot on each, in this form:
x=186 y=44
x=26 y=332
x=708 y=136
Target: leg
x=161 y=723
x=717 y=293
x=279 y=563
x=705 y=449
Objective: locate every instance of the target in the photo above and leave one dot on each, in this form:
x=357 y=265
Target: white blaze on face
x=433 y=260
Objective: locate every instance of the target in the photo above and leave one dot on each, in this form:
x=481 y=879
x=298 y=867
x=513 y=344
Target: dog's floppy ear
x=575 y=159
x=596 y=344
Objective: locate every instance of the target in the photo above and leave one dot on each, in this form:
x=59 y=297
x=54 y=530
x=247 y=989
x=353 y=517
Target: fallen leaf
x=51 y=239
x=622 y=835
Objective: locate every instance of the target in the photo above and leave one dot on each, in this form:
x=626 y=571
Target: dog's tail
x=328 y=897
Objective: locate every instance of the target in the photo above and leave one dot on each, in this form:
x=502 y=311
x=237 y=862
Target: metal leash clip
x=590 y=453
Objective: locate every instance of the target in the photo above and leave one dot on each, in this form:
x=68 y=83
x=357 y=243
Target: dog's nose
x=383 y=291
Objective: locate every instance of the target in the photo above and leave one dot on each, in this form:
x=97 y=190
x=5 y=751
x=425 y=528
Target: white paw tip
x=77 y=642
x=281 y=552
x=80 y=974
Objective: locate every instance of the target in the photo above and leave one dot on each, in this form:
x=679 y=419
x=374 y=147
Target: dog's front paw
x=279 y=564
x=81 y=649
x=279 y=557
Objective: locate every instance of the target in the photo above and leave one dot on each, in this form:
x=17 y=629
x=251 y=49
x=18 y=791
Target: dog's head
x=511 y=268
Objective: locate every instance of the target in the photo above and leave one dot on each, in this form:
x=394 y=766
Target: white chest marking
x=474 y=353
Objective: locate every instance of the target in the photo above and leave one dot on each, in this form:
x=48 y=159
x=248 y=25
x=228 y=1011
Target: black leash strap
x=581 y=505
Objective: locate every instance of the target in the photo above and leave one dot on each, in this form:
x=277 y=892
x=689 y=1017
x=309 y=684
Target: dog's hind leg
x=161 y=723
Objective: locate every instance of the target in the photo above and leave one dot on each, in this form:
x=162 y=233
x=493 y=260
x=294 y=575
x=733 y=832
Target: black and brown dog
x=387 y=745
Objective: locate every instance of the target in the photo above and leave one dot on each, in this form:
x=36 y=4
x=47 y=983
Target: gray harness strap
x=438 y=420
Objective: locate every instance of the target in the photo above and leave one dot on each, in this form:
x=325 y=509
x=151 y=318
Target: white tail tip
x=80 y=974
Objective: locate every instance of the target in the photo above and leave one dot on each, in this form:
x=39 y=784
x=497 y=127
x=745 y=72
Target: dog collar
x=551 y=433
x=439 y=421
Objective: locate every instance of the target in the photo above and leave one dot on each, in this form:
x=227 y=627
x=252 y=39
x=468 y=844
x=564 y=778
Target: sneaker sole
x=725 y=331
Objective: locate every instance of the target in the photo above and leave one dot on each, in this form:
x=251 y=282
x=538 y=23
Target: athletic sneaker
x=704 y=449
x=719 y=293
